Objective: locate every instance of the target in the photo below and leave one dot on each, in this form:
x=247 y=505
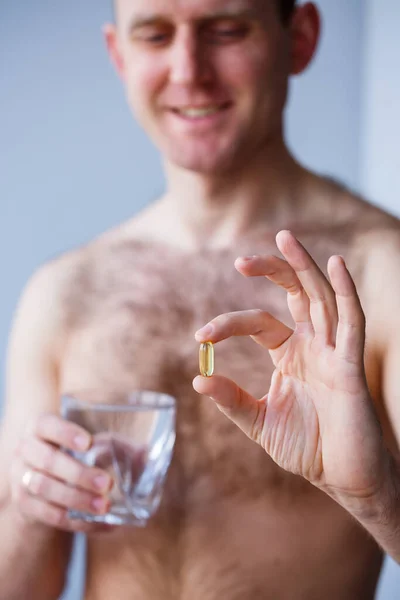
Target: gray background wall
x=73 y=163
x=380 y=122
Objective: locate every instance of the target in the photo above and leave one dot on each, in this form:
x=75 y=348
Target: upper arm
x=383 y=282
x=32 y=361
x=32 y=388
x=391 y=385
x=391 y=346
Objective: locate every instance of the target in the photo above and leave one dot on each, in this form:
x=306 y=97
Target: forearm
x=33 y=558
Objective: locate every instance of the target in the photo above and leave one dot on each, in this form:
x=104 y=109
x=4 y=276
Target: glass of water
x=133 y=440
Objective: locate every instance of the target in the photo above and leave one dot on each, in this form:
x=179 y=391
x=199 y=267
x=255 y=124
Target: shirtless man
x=208 y=81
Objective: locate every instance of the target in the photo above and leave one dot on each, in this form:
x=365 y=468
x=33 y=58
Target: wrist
x=381 y=505
x=380 y=514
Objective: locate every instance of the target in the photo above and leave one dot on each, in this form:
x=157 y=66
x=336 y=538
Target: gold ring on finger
x=27 y=479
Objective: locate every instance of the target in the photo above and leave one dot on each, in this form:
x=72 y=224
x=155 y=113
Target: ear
x=114 y=49
x=305 y=30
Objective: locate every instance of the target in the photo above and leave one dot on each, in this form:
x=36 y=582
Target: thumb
x=239 y=406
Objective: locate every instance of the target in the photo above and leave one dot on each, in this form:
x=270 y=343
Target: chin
x=205 y=163
x=203 y=167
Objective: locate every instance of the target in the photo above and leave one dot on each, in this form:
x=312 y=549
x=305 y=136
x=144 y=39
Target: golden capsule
x=206 y=359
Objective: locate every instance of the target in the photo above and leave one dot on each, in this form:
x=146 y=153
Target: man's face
x=206 y=79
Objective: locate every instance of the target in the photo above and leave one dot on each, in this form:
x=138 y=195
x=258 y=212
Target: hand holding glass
x=133 y=440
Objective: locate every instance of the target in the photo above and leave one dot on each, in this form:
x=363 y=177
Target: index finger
x=56 y=430
x=260 y=325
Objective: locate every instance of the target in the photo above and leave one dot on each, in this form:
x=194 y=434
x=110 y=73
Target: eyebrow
x=146 y=20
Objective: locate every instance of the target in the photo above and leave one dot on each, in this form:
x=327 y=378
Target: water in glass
x=133 y=441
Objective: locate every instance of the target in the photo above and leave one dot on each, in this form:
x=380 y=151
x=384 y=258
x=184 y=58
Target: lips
x=200 y=112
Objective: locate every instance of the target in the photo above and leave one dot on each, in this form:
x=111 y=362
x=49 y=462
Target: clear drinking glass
x=133 y=440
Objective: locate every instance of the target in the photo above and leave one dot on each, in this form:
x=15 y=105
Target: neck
x=220 y=208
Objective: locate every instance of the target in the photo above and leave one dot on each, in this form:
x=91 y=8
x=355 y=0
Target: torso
x=232 y=525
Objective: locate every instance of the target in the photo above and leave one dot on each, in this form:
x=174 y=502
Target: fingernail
x=82 y=442
x=247 y=258
x=99 y=504
x=102 y=482
x=205 y=331
x=196 y=381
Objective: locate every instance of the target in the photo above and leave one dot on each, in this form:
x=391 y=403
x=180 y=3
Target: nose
x=189 y=64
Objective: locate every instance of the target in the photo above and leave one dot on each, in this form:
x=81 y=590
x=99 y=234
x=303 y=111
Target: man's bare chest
x=138 y=306
x=135 y=325
x=138 y=332
x=139 y=312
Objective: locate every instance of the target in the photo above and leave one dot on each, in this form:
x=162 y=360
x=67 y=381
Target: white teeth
x=194 y=113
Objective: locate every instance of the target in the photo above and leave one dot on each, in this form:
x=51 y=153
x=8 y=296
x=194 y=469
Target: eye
x=226 y=32
x=232 y=32
x=156 y=38
x=153 y=35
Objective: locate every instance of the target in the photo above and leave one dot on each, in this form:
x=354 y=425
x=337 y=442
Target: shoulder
x=377 y=242
x=369 y=237
x=373 y=235
x=370 y=230
x=42 y=312
x=380 y=246
x=67 y=287
x=69 y=275
x=375 y=258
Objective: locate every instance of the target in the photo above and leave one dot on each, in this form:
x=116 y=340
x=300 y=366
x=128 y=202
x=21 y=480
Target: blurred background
x=73 y=163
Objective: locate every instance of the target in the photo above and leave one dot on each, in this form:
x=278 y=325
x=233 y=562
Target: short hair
x=286 y=8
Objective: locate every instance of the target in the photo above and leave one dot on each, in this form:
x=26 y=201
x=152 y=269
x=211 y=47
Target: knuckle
x=81 y=500
x=229 y=323
x=72 y=498
x=239 y=398
x=80 y=475
x=70 y=469
x=223 y=321
x=271 y=271
x=232 y=319
x=293 y=288
x=39 y=484
x=217 y=322
x=316 y=299
x=49 y=458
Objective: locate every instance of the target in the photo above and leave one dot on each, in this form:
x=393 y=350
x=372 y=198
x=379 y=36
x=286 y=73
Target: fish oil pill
x=206 y=359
